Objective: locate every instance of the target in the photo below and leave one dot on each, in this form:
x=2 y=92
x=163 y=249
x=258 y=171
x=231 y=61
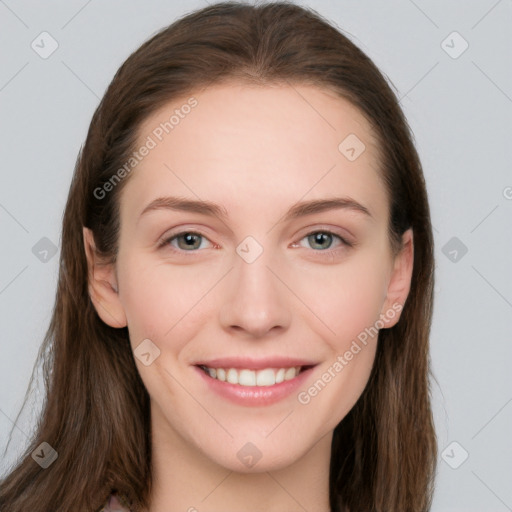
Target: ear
x=400 y=282
x=103 y=288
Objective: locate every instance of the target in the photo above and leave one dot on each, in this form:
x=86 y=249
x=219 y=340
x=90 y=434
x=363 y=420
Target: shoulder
x=115 y=503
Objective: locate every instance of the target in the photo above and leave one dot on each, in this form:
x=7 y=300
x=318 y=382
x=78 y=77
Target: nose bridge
x=255 y=300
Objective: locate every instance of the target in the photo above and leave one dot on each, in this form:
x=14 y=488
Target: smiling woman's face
x=255 y=283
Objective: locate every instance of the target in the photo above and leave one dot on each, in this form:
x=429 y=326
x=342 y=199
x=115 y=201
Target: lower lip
x=254 y=396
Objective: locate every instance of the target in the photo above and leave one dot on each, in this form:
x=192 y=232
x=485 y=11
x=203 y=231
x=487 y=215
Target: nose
x=256 y=303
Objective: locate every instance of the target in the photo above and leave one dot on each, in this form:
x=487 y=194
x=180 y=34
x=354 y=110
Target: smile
x=254 y=382
x=246 y=377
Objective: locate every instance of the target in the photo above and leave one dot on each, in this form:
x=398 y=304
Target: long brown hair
x=96 y=409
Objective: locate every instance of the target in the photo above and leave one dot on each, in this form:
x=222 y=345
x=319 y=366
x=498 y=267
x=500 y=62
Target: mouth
x=254 y=382
x=246 y=377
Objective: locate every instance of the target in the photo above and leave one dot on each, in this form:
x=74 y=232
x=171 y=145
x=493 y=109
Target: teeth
x=289 y=374
x=265 y=377
x=268 y=377
x=232 y=376
x=246 y=378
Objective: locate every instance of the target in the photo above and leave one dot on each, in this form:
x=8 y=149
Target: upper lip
x=254 y=364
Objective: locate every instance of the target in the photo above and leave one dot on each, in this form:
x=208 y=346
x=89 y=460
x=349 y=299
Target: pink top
x=115 y=503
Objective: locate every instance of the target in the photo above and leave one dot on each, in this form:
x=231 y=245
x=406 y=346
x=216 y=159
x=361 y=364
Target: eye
x=187 y=241
x=190 y=241
x=323 y=240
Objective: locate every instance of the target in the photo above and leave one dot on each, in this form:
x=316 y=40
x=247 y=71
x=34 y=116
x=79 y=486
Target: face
x=256 y=317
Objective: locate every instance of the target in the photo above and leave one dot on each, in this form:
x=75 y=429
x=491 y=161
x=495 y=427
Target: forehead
x=257 y=147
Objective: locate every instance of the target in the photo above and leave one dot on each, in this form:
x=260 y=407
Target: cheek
x=347 y=298
x=162 y=301
x=349 y=303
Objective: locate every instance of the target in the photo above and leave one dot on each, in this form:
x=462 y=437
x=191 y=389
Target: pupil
x=189 y=240
x=322 y=237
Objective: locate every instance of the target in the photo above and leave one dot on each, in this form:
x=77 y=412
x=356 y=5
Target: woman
x=245 y=290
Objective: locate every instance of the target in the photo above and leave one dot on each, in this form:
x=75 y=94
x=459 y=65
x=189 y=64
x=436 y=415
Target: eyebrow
x=298 y=210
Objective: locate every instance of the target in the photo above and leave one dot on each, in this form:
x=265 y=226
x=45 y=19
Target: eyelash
x=167 y=241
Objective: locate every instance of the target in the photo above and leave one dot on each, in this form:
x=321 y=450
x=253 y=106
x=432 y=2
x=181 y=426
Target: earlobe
x=102 y=285
x=400 y=282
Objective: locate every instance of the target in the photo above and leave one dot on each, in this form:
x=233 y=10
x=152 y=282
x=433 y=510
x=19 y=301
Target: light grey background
x=459 y=106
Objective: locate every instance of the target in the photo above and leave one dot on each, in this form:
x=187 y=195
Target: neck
x=185 y=479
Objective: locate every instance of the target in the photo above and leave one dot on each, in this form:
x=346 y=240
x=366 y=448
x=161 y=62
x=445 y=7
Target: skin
x=255 y=150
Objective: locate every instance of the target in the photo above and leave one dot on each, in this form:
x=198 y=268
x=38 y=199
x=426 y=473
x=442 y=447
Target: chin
x=255 y=457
